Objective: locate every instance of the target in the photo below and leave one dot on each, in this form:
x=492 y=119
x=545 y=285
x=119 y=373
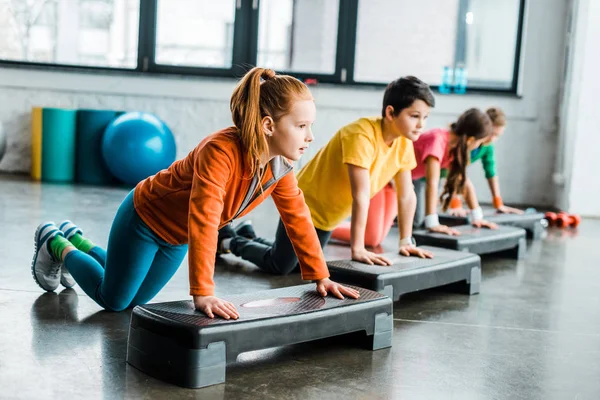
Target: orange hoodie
x=196 y=196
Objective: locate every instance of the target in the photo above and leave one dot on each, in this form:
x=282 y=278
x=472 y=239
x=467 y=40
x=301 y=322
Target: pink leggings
x=382 y=211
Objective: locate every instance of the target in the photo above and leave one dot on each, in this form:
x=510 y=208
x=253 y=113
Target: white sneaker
x=45 y=268
x=66 y=279
x=69 y=229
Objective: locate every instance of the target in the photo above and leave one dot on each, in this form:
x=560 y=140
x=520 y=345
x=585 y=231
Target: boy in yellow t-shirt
x=358 y=161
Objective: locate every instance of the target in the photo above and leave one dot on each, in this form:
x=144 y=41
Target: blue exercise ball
x=137 y=145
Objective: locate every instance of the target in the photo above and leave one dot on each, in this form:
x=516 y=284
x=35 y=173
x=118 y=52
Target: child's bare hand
x=510 y=210
x=326 y=285
x=211 y=306
x=482 y=223
x=446 y=230
x=368 y=257
x=409 y=250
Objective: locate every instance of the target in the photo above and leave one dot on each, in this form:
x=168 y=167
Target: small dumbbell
x=564 y=220
x=551 y=218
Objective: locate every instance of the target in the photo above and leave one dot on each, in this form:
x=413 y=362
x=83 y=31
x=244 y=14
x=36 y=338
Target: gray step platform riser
x=268 y=332
x=173 y=342
x=412 y=281
x=166 y=359
x=486 y=247
x=441 y=278
x=534 y=229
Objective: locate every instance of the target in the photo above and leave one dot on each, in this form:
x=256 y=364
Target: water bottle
x=447 y=80
x=460 y=79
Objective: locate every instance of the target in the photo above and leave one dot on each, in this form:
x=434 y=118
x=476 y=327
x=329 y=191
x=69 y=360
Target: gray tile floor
x=532 y=333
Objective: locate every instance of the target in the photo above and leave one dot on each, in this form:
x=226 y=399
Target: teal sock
x=57 y=245
x=82 y=243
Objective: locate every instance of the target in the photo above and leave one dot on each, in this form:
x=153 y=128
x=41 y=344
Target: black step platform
x=506 y=240
x=175 y=343
x=533 y=222
x=411 y=274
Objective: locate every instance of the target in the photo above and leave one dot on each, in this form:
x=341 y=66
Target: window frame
x=461 y=48
x=245 y=48
x=245 y=34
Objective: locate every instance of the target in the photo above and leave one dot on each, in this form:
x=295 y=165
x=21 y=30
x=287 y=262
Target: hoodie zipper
x=269 y=183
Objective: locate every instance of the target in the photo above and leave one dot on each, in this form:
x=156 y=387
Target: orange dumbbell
x=564 y=220
x=551 y=218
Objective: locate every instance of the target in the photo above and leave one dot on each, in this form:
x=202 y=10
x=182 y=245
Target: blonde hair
x=262 y=93
x=497 y=116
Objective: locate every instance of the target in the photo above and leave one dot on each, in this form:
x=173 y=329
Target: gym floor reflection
x=532 y=333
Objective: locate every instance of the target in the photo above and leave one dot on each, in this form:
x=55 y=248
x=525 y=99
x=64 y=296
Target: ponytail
x=473 y=123
x=455 y=181
x=247 y=116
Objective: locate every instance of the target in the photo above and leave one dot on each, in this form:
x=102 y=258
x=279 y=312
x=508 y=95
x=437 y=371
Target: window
x=101 y=33
x=490 y=43
x=404 y=37
x=361 y=42
x=195 y=33
x=298 y=35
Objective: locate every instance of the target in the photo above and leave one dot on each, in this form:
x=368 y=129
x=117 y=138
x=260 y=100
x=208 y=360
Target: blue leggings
x=136 y=266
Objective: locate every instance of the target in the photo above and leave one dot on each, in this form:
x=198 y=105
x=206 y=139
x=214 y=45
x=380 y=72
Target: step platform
x=533 y=222
x=411 y=274
x=507 y=241
x=175 y=343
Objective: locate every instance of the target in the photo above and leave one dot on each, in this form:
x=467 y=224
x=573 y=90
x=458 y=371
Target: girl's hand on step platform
x=325 y=286
x=482 y=223
x=446 y=230
x=510 y=210
x=368 y=257
x=211 y=306
x=411 y=250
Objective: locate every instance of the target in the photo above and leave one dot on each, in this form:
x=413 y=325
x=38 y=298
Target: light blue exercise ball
x=137 y=145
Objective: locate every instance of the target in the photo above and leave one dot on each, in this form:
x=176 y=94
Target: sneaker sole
x=65 y=285
x=35 y=240
x=77 y=230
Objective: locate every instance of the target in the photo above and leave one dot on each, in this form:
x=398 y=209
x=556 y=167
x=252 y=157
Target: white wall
x=581 y=114
x=195 y=107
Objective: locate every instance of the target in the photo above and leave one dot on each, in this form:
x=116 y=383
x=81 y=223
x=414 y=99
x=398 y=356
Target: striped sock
x=57 y=245
x=82 y=243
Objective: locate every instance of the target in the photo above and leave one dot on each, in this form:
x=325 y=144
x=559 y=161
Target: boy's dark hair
x=402 y=92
